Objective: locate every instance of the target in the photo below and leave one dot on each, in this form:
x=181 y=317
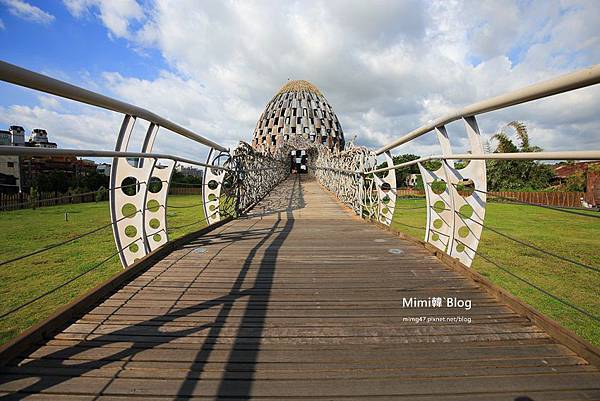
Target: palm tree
x=506 y=145
x=516 y=174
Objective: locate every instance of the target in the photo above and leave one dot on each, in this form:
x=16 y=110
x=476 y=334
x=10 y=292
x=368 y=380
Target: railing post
x=212 y=185
x=386 y=193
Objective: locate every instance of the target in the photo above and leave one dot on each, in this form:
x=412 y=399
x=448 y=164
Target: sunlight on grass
x=25 y=231
x=575 y=237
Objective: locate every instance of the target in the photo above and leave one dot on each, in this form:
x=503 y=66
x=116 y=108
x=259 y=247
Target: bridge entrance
x=298 y=161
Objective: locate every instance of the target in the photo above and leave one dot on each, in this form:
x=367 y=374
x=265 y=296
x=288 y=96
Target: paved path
x=300 y=299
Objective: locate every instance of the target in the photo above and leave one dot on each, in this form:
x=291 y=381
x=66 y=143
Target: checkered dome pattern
x=298 y=109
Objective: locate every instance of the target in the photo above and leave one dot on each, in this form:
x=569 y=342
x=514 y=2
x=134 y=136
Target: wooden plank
x=300 y=299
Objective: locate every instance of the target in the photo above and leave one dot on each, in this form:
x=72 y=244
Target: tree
x=514 y=175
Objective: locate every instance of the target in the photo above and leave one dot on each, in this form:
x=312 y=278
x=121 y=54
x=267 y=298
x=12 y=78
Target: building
x=189 y=171
x=10 y=174
x=18 y=173
x=412 y=180
x=39 y=139
x=591 y=173
x=104 y=168
x=5 y=138
x=34 y=167
x=17 y=135
x=298 y=109
x=10 y=167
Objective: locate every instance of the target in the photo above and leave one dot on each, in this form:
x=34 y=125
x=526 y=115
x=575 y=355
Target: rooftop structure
x=39 y=138
x=298 y=109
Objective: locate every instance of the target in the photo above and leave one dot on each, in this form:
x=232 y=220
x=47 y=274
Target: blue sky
x=69 y=48
x=386 y=67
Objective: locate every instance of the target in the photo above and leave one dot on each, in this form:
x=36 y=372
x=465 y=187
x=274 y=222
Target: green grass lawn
x=25 y=231
x=572 y=236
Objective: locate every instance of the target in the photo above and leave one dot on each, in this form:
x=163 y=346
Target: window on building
x=10 y=164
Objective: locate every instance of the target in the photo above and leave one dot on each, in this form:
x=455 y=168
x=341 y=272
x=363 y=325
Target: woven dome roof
x=299 y=85
x=298 y=110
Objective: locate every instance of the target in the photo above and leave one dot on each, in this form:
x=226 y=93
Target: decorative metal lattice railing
x=257 y=174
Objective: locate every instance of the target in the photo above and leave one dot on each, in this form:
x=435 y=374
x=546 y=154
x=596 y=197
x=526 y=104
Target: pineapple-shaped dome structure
x=298 y=109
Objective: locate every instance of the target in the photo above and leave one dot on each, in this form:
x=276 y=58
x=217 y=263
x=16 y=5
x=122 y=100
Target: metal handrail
x=30 y=79
x=30 y=151
x=574 y=155
x=564 y=83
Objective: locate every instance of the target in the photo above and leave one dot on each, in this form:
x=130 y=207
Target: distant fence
x=25 y=201
x=185 y=191
x=560 y=199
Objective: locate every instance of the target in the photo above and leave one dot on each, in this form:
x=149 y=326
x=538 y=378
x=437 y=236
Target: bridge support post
x=386 y=193
x=212 y=185
x=138 y=197
x=456 y=198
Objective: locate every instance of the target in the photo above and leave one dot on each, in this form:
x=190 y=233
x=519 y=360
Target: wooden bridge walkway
x=299 y=300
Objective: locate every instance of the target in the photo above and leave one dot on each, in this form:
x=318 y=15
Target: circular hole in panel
x=153 y=205
x=437 y=223
x=134 y=248
x=212 y=197
x=432 y=165
x=212 y=184
x=227 y=183
x=130 y=186
x=439 y=206
x=465 y=187
x=460 y=248
x=155 y=185
x=386 y=200
x=212 y=207
x=438 y=186
x=385 y=210
x=463 y=232
x=466 y=211
x=156 y=237
x=128 y=210
x=154 y=223
x=460 y=164
x=435 y=237
x=130 y=231
x=385 y=187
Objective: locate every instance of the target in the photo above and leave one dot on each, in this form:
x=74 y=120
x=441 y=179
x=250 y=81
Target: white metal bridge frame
x=243 y=176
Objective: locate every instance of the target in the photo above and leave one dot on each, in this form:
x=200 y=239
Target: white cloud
x=116 y=15
x=26 y=11
x=85 y=128
x=2 y=26
x=386 y=67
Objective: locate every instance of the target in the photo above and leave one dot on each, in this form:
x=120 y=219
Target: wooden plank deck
x=299 y=300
